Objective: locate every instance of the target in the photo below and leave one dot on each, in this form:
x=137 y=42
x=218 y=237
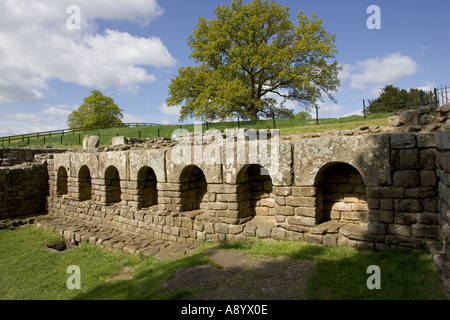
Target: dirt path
x=240 y=277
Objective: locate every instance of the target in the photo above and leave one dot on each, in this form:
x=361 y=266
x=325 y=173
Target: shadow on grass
x=340 y=274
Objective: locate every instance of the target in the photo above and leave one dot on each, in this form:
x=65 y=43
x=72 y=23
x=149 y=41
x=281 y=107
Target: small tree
x=303 y=115
x=97 y=111
x=392 y=99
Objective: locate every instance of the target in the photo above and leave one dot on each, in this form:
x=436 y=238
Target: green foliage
x=249 y=51
x=272 y=110
x=303 y=115
x=97 y=111
x=392 y=99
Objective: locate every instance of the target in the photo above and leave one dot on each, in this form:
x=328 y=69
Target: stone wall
x=373 y=191
x=443 y=173
x=14 y=156
x=23 y=190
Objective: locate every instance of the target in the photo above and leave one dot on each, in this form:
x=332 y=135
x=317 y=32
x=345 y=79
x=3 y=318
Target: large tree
x=249 y=53
x=97 y=111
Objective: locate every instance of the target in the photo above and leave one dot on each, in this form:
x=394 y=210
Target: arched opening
x=147 y=190
x=84 y=184
x=344 y=195
x=113 y=193
x=255 y=192
x=61 y=181
x=193 y=189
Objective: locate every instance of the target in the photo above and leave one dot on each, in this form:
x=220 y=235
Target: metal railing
x=442 y=95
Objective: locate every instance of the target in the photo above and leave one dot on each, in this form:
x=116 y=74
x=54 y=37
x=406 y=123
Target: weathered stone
x=403 y=140
x=303 y=221
x=118 y=141
x=424 y=231
x=408 y=205
x=285 y=211
x=406 y=178
x=90 y=142
x=443 y=140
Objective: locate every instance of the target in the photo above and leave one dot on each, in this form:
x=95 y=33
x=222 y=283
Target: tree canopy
x=251 y=53
x=97 y=111
x=392 y=99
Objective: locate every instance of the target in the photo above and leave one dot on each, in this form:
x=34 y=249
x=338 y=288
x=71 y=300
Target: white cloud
x=428 y=86
x=330 y=108
x=38 y=46
x=20 y=123
x=325 y=108
x=166 y=121
x=59 y=111
x=376 y=72
x=170 y=111
x=128 y=118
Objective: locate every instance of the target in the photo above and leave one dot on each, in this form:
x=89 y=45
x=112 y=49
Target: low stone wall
x=370 y=191
x=23 y=190
x=15 y=156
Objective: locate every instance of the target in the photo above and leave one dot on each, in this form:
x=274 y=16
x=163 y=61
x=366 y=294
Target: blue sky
x=130 y=50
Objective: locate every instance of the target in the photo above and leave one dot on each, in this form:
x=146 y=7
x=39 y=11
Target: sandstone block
x=406 y=179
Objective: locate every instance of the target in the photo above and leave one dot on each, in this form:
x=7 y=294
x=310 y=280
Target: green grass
x=341 y=272
x=286 y=126
x=29 y=272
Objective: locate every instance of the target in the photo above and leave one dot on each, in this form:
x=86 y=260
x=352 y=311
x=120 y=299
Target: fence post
x=239 y=125
x=158 y=132
x=436 y=100
x=364 y=107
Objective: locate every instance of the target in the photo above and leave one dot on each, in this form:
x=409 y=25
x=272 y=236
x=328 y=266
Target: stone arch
x=193 y=189
x=84 y=183
x=113 y=193
x=341 y=194
x=147 y=187
x=61 y=181
x=255 y=192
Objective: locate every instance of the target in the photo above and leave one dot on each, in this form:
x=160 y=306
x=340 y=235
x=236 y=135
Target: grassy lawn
x=30 y=272
x=286 y=126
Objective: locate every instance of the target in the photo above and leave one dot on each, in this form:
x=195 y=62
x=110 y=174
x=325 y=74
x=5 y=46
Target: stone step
x=77 y=231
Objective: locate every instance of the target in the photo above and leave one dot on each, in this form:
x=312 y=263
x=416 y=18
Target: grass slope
x=30 y=272
x=286 y=127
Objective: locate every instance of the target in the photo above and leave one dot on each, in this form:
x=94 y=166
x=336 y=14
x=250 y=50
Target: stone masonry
x=374 y=191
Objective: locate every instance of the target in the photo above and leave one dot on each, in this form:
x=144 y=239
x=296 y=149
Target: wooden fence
x=62 y=132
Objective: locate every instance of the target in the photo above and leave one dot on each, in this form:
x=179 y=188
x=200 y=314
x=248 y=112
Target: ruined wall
x=443 y=173
x=14 y=156
x=23 y=190
x=368 y=191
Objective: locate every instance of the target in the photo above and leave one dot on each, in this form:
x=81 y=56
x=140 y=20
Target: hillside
x=286 y=127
